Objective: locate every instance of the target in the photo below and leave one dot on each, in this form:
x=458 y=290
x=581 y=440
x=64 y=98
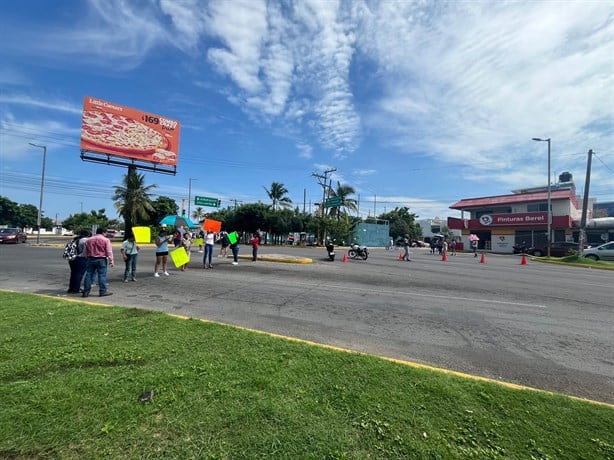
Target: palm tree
x=348 y=204
x=277 y=194
x=132 y=200
x=198 y=214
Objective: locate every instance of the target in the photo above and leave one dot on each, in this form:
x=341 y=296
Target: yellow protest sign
x=180 y=256
x=142 y=234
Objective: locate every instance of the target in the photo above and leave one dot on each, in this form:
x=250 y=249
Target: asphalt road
x=540 y=325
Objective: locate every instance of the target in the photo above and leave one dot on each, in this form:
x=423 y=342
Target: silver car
x=603 y=252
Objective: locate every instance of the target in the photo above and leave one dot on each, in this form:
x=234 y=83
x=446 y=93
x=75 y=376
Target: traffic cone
x=523 y=261
x=400 y=256
x=444 y=258
x=483 y=259
x=345 y=258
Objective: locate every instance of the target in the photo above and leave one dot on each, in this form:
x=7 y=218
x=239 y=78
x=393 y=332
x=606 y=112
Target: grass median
x=81 y=381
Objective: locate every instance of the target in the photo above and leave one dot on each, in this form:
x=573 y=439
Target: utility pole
x=587 y=184
x=235 y=201
x=183 y=206
x=323 y=181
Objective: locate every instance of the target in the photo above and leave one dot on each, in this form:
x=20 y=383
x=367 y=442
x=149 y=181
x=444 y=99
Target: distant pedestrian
x=161 y=242
x=130 y=251
x=225 y=242
x=99 y=256
x=444 y=248
x=255 y=242
x=186 y=243
x=474 y=247
x=209 y=242
x=406 y=245
x=391 y=245
x=432 y=245
x=234 y=247
x=78 y=262
x=453 y=247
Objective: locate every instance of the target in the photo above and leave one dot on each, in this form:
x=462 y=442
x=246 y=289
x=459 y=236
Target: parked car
x=603 y=252
x=12 y=235
x=557 y=249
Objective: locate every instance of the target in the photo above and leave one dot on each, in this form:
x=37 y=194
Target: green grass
x=577 y=261
x=71 y=375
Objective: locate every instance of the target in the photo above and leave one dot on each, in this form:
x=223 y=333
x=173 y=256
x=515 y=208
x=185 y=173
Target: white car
x=603 y=252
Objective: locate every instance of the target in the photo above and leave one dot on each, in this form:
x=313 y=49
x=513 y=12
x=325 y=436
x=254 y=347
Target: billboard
x=120 y=131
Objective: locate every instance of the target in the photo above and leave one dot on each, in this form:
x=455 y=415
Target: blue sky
x=415 y=103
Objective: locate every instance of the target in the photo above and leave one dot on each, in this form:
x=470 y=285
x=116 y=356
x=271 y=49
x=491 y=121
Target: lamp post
x=190 y=197
x=538 y=139
x=40 y=204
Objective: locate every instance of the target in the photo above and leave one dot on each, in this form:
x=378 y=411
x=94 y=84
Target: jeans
x=130 y=271
x=77 y=271
x=95 y=265
x=235 y=253
x=208 y=254
x=254 y=253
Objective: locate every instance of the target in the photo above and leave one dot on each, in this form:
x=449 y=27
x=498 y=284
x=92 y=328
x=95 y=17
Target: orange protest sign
x=212 y=225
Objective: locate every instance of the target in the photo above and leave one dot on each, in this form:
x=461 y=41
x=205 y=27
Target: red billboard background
x=121 y=131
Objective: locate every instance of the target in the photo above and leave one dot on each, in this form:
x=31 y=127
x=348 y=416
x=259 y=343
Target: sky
x=411 y=103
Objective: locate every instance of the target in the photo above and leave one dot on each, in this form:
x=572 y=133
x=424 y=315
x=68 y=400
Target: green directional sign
x=207 y=201
x=333 y=202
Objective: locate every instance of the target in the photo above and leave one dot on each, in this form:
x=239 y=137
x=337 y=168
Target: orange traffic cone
x=523 y=261
x=400 y=256
x=345 y=258
x=483 y=259
x=444 y=258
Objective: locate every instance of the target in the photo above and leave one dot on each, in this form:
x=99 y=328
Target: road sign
x=333 y=202
x=207 y=201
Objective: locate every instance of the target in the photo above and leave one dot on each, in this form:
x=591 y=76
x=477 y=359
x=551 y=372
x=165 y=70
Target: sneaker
x=157 y=275
x=235 y=263
x=104 y=294
x=166 y=273
x=125 y=281
x=133 y=279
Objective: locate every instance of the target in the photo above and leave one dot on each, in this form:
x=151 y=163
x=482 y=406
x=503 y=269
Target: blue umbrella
x=178 y=221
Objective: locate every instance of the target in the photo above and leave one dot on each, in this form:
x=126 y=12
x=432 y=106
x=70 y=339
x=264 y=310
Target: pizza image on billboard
x=113 y=129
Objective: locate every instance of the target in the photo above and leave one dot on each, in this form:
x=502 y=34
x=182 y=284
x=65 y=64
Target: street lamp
x=40 y=204
x=548 y=242
x=190 y=197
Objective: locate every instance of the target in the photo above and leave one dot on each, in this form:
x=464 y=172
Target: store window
x=537 y=207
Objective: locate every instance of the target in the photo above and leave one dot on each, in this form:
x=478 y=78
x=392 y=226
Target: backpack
x=71 y=250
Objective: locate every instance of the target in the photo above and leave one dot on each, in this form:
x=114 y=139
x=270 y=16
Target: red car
x=12 y=235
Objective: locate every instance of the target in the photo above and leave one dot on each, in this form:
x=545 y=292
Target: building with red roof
x=503 y=221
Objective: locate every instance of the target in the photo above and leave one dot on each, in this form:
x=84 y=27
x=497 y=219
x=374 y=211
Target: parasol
x=178 y=221
x=473 y=237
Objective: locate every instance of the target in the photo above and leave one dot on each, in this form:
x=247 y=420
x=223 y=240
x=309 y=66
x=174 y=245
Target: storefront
x=503 y=221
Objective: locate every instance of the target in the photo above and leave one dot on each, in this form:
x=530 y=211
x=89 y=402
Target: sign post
x=207 y=201
x=333 y=202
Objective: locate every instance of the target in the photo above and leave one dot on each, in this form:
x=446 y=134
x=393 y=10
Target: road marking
x=420 y=294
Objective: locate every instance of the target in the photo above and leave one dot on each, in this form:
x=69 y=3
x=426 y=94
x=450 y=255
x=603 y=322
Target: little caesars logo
x=486 y=219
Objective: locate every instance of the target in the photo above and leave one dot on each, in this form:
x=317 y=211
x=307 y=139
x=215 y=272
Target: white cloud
x=55 y=105
x=483 y=78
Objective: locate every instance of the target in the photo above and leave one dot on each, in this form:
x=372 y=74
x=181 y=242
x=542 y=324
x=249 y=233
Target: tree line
x=134 y=203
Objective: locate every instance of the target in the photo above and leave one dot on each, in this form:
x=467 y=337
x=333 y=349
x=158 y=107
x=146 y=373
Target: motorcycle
x=330 y=249
x=358 y=252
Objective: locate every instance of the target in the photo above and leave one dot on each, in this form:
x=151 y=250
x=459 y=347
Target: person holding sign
x=233 y=238
x=162 y=241
x=209 y=241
